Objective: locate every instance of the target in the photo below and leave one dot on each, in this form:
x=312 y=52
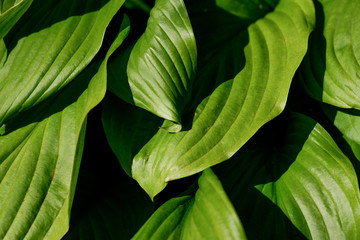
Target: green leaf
x=39 y=160
x=303 y=172
x=237 y=108
x=207 y=215
x=162 y=63
x=51 y=45
x=10 y=13
x=331 y=69
x=135 y=130
x=3 y=53
x=252 y=9
x=221 y=38
x=347 y=121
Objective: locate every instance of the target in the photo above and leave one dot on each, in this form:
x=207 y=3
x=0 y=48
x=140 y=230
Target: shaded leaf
x=162 y=63
x=51 y=44
x=10 y=13
x=305 y=174
x=207 y=215
x=331 y=69
x=221 y=38
x=252 y=9
x=136 y=128
x=39 y=160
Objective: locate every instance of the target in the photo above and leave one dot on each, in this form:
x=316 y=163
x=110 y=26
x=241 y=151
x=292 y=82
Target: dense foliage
x=212 y=119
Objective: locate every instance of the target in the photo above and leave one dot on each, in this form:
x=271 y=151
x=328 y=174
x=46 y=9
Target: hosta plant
x=179 y=119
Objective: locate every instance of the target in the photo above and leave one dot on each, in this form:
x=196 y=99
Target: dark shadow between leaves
x=313 y=67
x=265 y=158
x=104 y=191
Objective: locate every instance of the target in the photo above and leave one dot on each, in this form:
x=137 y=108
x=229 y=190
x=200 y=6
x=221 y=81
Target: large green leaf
x=207 y=215
x=303 y=172
x=10 y=13
x=50 y=45
x=236 y=108
x=331 y=69
x=40 y=155
x=162 y=64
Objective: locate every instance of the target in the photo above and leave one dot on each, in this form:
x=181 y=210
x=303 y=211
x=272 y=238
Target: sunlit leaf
x=237 y=107
x=331 y=69
x=40 y=155
x=207 y=215
x=304 y=173
x=162 y=63
x=50 y=45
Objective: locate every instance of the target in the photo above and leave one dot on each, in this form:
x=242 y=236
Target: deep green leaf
x=221 y=38
x=304 y=173
x=136 y=128
x=331 y=69
x=51 y=44
x=39 y=160
x=236 y=108
x=252 y=9
x=10 y=13
x=162 y=63
x=207 y=215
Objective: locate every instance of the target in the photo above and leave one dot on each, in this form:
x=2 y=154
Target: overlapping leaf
x=10 y=13
x=132 y=134
x=331 y=69
x=221 y=38
x=207 y=215
x=237 y=107
x=162 y=63
x=303 y=172
x=347 y=121
x=252 y=9
x=51 y=44
x=39 y=160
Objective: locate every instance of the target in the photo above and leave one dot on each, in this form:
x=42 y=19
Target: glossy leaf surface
x=162 y=64
x=331 y=70
x=51 y=44
x=237 y=107
x=207 y=215
x=305 y=174
x=40 y=155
